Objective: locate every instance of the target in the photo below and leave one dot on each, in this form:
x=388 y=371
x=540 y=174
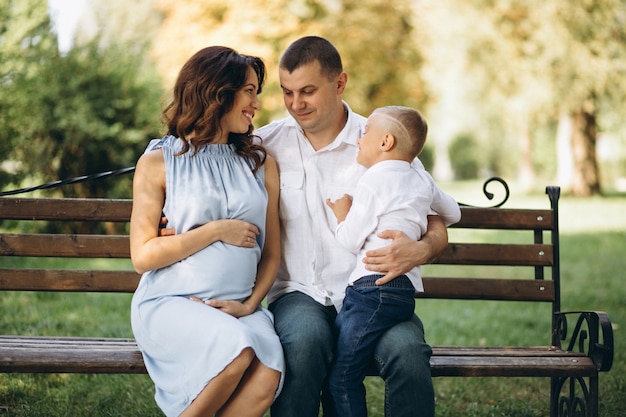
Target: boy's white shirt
x=392 y=195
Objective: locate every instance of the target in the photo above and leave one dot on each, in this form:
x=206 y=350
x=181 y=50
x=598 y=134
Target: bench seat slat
x=72 y=246
x=102 y=355
x=504 y=351
x=55 y=359
x=488 y=289
x=24 y=279
x=512 y=366
x=69 y=341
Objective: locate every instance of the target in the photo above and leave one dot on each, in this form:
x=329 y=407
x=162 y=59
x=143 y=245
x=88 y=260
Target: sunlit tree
x=375 y=37
x=543 y=62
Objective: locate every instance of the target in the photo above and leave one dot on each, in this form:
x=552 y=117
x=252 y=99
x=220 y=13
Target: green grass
x=593 y=264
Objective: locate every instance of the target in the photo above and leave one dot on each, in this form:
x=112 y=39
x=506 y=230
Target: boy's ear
x=387 y=142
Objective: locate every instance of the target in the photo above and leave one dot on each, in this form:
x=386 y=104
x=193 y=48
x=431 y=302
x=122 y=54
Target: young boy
x=391 y=195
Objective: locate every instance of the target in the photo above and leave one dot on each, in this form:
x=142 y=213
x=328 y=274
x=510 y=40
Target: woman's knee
x=239 y=365
x=270 y=382
x=264 y=383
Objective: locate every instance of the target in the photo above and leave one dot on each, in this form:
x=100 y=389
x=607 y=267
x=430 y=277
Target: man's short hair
x=309 y=49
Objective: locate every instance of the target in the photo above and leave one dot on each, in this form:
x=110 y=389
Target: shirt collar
x=353 y=130
x=391 y=164
x=350 y=134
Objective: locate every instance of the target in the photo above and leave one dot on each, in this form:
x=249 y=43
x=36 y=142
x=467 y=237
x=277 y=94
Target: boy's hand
x=340 y=207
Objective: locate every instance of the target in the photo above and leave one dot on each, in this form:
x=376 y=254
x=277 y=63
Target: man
x=315 y=149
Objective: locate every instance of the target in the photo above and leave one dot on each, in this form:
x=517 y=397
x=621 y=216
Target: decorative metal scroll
x=573 y=400
x=579 y=338
x=592 y=335
x=490 y=195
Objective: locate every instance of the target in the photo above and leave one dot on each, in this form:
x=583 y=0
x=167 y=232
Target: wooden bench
x=580 y=348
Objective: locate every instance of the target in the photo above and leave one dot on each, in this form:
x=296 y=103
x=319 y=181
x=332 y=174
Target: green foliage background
x=87 y=111
x=505 y=74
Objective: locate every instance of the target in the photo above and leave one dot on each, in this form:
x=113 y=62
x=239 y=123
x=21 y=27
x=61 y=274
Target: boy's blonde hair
x=408 y=127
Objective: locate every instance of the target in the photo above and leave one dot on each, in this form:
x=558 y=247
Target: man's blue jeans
x=307 y=333
x=368 y=311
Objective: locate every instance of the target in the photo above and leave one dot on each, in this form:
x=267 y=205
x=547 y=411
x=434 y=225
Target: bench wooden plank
x=23 y=279
x=66 y=209
x=70 y=355
x=118 y=246
x=96 y=210
x=489 y=366
x=509 y=219
x=504 y=351
x=102 y=355
x=496 y=254
x=488 y=289
x=72 y=246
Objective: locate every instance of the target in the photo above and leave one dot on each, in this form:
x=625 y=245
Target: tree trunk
x=585 y=176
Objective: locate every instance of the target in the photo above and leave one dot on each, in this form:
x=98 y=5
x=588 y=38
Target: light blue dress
x=185 y=343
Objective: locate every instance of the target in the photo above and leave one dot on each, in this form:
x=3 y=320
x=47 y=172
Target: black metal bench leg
x=574 y=397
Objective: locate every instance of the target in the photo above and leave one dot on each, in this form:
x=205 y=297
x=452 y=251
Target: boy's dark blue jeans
x=368 y=311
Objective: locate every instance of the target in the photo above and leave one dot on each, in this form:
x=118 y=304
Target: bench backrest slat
x=65 y=209
x=496 y=254
x=73 y=246
x=487 y=289
x=499 y=218
x=29 y=279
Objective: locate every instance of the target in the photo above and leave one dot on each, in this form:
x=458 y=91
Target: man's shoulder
x=356 y=120
x=359 y=118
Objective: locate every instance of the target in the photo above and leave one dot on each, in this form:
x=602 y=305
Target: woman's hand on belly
x=234 y=308
x=237 y=232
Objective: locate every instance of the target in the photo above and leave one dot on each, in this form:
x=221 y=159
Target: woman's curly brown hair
x=204 y=92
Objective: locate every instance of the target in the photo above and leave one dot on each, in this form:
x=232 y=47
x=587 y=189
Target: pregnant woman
x=207 y=343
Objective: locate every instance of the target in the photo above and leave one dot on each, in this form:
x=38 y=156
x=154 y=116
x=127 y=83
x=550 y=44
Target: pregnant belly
x=219 y=271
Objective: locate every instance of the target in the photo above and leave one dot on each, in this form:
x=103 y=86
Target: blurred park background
x=532 y=91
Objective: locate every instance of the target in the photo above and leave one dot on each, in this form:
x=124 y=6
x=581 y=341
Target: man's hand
x=165 y=231
x=405 y=253
x=395 y=259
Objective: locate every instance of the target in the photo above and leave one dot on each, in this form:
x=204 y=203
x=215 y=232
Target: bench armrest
x=592 y=334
